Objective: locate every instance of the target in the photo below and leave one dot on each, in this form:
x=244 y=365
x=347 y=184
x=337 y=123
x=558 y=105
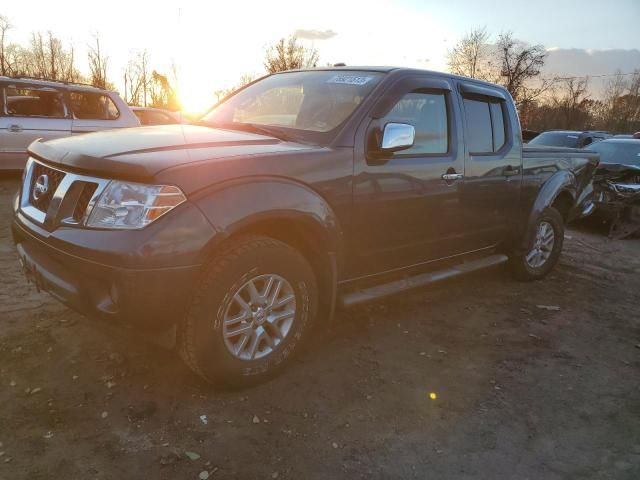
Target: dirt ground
x=523 y=391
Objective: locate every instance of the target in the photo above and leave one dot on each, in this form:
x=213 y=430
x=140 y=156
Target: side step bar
x=397 y=286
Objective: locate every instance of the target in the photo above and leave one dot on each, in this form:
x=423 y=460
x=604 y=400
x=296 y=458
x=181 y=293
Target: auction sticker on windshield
x=349 y=79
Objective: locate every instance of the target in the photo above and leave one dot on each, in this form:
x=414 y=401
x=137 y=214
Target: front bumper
x=129 y=281
x=151 y=299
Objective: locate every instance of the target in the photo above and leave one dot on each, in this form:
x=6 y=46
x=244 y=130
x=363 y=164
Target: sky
x=214 y=43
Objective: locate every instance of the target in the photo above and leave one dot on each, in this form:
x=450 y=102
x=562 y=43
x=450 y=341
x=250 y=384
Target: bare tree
x=509 y=62
x=520 y=68
x=97 y=64
x=289 y=54
x=69 y=71
x=163 y=94
x=16 y=60
x=571 y=104
x=470 y=56
x=144 y=75
x=47 y=58
x=137 y=80
x=622 y=103
x=4 y=26
x=633 y=104
x=38 y=60
x=614 y=90
x=245 y=78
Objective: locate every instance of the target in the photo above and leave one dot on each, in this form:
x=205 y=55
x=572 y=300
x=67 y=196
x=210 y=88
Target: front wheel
x=544 y=248
x=253 y=308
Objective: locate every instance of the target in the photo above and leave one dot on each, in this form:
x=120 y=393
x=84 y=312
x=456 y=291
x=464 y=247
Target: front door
x=404 y=212
x=28 y=113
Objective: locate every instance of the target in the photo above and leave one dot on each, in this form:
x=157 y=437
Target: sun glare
x=194 y=98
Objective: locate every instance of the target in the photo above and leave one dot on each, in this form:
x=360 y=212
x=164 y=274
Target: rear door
x=493 y=164
x=404 y=212
x=94 y=111
x=29 y=112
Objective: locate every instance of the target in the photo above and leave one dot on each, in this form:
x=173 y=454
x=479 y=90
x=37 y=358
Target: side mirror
x=397 y=136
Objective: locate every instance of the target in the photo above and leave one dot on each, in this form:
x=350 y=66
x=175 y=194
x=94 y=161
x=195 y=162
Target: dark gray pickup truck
x=304 y=191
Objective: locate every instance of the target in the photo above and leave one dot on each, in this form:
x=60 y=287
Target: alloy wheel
x=542 y=245
x=259 y=317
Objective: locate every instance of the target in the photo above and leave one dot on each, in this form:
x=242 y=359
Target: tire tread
x=225 y=257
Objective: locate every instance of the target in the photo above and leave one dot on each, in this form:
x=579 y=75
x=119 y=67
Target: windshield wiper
x=261 y=129
x=248 y=127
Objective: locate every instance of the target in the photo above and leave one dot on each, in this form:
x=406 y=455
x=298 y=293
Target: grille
x=75 y=192
x=54 y=179
x=88 y=189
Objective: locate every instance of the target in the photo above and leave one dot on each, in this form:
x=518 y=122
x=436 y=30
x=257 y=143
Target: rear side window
x=485 y=125
x=427 y=112
x=33 y=102
x=93 y=106
x=497 y=120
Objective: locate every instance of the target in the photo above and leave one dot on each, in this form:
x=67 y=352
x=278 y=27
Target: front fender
x=559 y=182
x=235 y=206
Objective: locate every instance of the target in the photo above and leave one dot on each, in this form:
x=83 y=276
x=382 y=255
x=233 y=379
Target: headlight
x=133 y=205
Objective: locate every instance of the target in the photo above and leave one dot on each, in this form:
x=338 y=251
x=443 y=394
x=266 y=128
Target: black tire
x=521 y=269
x=200 y=335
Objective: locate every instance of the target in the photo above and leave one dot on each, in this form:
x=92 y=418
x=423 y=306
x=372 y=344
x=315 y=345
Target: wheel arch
x=559 y=192
x=564 y=202
x=284 y=210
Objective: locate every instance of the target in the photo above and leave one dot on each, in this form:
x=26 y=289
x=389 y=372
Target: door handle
x=450 y=177
x=510 y=171
x=15 y=128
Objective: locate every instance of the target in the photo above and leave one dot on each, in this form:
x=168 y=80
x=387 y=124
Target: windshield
x=626 y=153
x=312 y=101
x=556 y=139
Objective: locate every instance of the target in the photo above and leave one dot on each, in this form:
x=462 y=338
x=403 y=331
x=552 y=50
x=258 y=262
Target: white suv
x=31 y=109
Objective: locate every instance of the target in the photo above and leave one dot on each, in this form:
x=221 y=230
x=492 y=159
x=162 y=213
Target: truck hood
x=139 y=154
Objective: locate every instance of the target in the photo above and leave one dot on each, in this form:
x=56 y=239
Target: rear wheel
x=544 y=248
x=251 y=312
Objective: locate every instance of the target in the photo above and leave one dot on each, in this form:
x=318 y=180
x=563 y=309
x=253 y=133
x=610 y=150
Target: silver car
x=31 y=109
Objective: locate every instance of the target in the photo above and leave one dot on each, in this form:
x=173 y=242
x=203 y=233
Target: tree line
x=46 y=56
x=543 y=103
x=547 y=102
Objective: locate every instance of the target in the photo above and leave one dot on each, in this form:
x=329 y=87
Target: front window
x=311 y=101
x=427 y=112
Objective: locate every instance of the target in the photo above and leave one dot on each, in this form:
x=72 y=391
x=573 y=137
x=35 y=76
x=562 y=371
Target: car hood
x=139 y=154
